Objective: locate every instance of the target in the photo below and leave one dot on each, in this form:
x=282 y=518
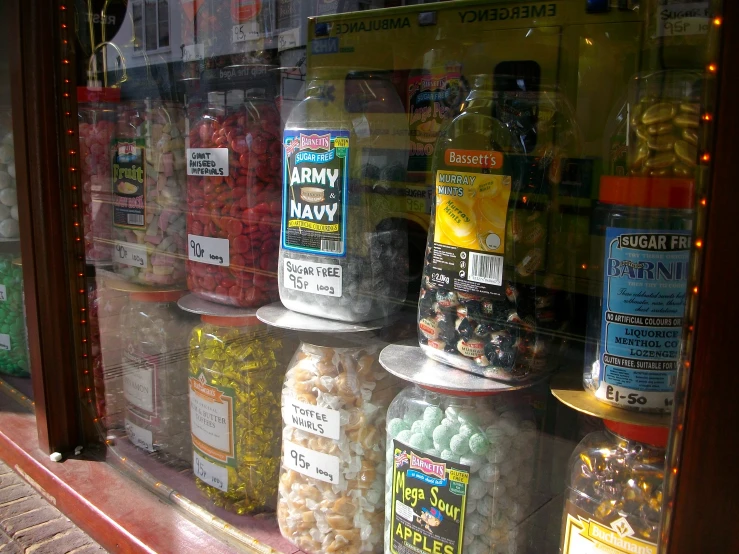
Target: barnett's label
x=429 y=498
x=644 y=289
x=314 y=191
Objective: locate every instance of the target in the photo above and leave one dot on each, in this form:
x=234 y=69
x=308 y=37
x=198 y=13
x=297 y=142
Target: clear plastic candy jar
x=665 y=120
x=234 y=199
x=459 y=468
x=149 y=193
x=342 y=256
x=235 y=380
x=154 y=333
x=484 y=307
x=13 y=344
x=332 y=477
x=615 y=497
x=9 y=228
x=97 y=121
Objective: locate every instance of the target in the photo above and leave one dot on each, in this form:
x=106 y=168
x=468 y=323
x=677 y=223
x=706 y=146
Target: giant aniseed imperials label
x=429 y=498
x=314 y=193
x=644 y=286
x=586 y=534
x=212 y=421
x=469 y=227
x=129 y=191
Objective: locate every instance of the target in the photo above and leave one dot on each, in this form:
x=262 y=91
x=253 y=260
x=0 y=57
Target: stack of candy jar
x=13 y=345
x=482 y=305
x=459 y=468
x=96 y=128
x=616 y=480
x=342 y=256
x=332 y=477
x=154 y=332
x=234 y=206
x=149 y=194
x=8 y=190
x=235 y=379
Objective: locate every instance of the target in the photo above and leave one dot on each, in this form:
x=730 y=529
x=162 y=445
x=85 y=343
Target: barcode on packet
x=332 y=246
x=135 y=219
x=486 y=268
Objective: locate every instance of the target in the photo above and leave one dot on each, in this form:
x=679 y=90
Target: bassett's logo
x=427 y=466
x=315 y=142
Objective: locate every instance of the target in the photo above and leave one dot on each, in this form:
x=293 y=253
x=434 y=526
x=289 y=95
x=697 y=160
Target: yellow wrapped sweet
x=235 y=382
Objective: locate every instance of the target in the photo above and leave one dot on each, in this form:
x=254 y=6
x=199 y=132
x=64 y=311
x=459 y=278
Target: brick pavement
x=31 y=525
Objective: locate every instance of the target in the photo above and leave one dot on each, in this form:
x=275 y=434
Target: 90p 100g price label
x=208 y=250
x=310 y=463
x=128 y=253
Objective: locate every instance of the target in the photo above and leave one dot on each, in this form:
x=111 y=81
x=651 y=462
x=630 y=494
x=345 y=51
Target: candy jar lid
x=655 y=436
x=230 y=321
x=157 y=296
x=647 y=192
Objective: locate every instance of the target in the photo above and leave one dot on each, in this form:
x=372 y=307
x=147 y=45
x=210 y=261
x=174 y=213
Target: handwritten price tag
x=288 y=39
x=4 y=341
x=207 y=250
x=210 y=473
x=129 y=253
x=139 y=436
x=313 y=277
x=244 y=32
x=323 y=422
x=310 y=463
x=193 y=52
x=3 y=293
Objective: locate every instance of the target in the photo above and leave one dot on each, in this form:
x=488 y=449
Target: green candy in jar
x=13 y=344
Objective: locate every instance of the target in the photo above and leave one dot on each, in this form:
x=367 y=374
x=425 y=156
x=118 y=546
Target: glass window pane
x=163 y=22
x=150 y=21
x=138 y=26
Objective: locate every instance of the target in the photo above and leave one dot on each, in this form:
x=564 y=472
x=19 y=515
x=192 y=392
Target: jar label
x=210 y=473
x=208 y=250
x=311 y=463
x=469 y=231
x=139 y=436
x=315 y=181
x=313 y=277
x=4 y=341
x=432 y=99
x=139 y=382
x=313 y=419
x=129 y=253
x=129 y=191
x=584 y=534
x=429 y=499
x=644 y=285
x=207 y=162
x=212 y=420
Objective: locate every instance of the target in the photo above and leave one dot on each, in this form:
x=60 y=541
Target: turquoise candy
x=427 y=428
x=15 y=360
x=443 y=434
x=416 y=427
x=404 y=436
x=395 y=426
x=479 y=444
x=459 y=445
x=433 y=415
x=449 y=455
x=467 y=430
x=420 y=441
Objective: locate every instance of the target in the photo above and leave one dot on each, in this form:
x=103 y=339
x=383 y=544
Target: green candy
x=395 y=426
x=479 y=444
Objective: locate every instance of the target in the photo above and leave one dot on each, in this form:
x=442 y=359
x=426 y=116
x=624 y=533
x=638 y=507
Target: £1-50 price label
x=310 y=463
x=128 y=253
x=210 y=473
x=4 y=341
x=3 y=293
x=313 y=277
x=208 y=250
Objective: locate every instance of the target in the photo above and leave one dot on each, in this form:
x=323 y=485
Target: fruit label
x=429 y=498
x=315 y=182
x=644 y=285
x=212 y=420
x=129 y=193
x=585 y=534
x=469 y=231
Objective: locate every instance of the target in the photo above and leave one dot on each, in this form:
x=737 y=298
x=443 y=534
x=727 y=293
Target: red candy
x=243 y=207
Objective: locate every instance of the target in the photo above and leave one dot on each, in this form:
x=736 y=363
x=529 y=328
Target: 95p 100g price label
x=313 y=277
x=4 y=341
x=210 y=473
x=310 y=463
x=208 y=250
x=3 y=293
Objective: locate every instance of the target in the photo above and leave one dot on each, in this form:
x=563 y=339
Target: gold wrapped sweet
x=235 y=382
